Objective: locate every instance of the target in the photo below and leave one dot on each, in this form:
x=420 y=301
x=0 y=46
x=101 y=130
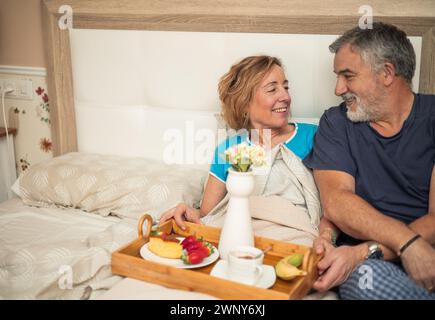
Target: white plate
x=266 y=280
x=177 y=263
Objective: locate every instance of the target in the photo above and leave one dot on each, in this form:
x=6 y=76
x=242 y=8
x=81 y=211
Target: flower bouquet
x=243 y=156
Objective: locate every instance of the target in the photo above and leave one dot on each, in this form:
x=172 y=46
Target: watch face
x=376 y=255
x=375 y=252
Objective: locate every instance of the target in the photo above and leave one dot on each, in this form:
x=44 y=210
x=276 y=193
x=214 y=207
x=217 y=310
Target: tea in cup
x=245 y=264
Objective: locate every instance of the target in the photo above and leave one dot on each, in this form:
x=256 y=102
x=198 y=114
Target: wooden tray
x=128 y=262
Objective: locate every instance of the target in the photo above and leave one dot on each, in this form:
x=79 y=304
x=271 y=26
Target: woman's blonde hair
x=237 y=88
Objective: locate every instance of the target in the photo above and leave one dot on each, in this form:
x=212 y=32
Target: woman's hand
x=180 y=213
x=322 y=246
x=323 y=243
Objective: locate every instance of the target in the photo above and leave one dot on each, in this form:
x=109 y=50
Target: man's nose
x=340 y=86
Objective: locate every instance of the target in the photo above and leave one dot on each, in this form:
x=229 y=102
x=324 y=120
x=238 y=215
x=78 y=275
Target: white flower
x=258 y=156
x=242 y=156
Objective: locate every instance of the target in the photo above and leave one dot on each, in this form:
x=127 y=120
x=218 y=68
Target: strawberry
x=187 y=241
x=205 y=250
x=194 y=249
x=193 y=257
x=193 y=246
x=207 y=245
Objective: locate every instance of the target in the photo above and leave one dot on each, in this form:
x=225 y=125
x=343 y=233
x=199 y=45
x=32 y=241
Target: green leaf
x=244 y=167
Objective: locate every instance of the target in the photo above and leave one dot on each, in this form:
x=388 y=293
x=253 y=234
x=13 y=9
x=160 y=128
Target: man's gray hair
x=384 y=43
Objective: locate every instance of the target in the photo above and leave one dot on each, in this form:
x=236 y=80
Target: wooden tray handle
x=149 y=220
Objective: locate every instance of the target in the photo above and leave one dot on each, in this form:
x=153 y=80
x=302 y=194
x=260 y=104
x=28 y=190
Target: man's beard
x=362 y=112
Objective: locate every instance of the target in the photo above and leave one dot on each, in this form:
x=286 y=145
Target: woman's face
x=270 y=107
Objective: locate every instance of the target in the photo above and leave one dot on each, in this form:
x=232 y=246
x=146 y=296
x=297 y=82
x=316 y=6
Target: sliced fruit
x=287 y=271
x=193 y=257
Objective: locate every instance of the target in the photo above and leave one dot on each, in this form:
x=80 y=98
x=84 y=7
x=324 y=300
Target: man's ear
x=388 y=73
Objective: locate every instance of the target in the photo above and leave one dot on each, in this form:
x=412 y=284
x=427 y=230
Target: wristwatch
x=375 y=251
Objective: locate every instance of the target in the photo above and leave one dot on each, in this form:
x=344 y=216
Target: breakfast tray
x=128 y=262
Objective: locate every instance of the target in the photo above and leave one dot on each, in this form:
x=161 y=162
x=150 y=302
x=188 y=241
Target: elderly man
x=373 y=162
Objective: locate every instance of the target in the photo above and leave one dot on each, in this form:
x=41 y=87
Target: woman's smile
x=280 y=110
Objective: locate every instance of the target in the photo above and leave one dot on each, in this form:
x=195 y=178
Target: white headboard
x=131 y=87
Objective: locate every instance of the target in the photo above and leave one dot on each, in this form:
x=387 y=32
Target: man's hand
x=337 y=265
x=181 y=213
x=419 y=262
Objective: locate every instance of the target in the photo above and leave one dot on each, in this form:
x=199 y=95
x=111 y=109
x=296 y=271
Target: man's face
x=358 y=85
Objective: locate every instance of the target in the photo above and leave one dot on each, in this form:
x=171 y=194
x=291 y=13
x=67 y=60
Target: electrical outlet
x=23 y=88
x=9 y=84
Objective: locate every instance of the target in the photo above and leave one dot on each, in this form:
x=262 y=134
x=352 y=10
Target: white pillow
x=126 y=187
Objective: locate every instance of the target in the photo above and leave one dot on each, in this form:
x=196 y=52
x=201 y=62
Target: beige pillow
x=126 y=187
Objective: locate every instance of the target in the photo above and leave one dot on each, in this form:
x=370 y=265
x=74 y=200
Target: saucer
x=266 y=280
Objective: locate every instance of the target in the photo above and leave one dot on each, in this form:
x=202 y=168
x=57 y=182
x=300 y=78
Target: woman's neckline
x=291 y=137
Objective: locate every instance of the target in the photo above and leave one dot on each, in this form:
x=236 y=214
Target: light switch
x=24 y=89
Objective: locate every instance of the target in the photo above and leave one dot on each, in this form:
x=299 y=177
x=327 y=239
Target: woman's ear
x=388 y=73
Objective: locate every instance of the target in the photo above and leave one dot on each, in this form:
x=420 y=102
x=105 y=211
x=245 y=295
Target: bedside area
x=8 y=173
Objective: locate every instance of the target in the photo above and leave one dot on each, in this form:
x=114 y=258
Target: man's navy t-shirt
x=392 y=174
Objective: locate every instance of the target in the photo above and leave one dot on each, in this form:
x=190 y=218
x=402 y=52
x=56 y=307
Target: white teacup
x=245 y=264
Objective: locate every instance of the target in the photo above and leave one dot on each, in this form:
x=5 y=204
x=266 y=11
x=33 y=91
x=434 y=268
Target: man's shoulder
x=426 y=104
x=334 y=116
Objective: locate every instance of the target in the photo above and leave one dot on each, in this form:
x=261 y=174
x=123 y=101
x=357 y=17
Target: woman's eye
x=271 y=90
x=286 y=88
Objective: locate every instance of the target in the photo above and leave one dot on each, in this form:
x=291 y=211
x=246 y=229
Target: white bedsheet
x=51 y=253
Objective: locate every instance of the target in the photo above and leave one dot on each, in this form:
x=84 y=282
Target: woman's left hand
x=322 y=246
x=336 y=266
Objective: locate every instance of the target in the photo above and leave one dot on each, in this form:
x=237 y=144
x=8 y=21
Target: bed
x=111 y=130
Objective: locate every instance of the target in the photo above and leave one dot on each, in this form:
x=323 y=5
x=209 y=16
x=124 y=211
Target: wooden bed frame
x=416 y=18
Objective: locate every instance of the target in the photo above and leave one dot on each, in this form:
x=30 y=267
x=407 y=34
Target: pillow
x=102 y=184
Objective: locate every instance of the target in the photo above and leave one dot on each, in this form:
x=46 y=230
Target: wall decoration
x=31 y=118
x=45 y=145
x=24 y=164
x=43 y=109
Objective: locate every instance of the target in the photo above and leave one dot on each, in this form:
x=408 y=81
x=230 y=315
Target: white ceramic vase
x=237 y=228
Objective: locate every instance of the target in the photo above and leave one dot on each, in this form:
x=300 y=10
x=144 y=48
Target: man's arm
x=425 y=226
x=358 y=218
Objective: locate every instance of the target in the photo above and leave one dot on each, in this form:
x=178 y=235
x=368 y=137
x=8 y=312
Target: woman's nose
x=340 y=86
x=285 y=95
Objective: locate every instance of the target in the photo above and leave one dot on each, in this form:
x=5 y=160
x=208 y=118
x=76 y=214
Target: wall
x=22 y=57
x=21 y=41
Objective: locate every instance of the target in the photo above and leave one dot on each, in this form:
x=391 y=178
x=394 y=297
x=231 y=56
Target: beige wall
x=21 y=41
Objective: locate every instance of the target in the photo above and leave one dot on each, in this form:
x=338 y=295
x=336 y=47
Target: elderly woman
x=255 y=96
